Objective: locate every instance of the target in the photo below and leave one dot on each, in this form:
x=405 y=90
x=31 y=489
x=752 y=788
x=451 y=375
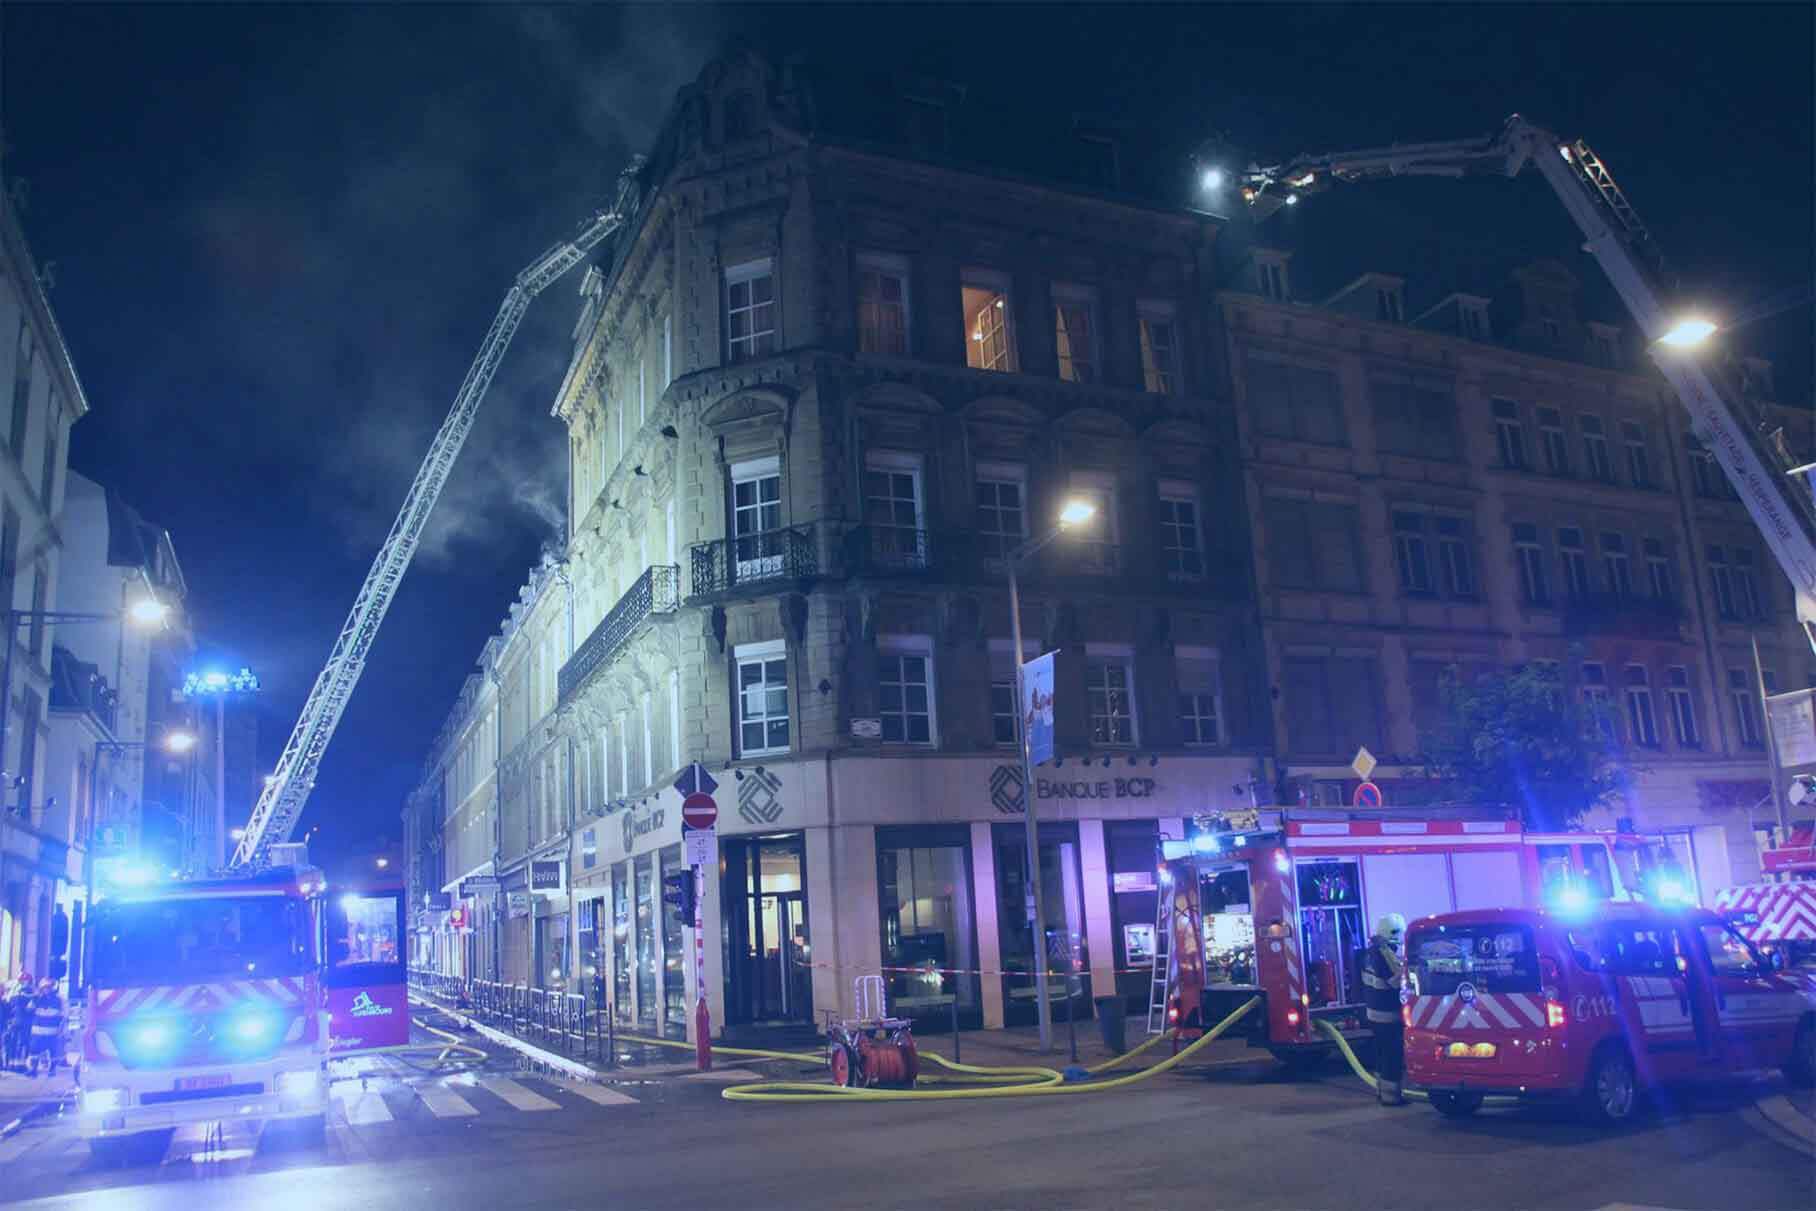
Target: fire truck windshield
x=181 y=940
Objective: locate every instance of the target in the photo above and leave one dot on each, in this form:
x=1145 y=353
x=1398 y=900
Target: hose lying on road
x=1368 y=1078
x=1027 y=1081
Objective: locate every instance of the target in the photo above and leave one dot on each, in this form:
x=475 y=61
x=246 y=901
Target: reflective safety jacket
x=1381 y=986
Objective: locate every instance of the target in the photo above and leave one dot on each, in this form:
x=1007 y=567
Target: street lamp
x=1688 y=333
x=1075 y=512
x=383 y=862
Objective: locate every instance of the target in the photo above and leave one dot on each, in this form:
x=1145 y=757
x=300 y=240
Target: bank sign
x=1006 y=789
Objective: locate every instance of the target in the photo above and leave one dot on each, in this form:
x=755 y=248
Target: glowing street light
x=179 y=741
x=1076 y=512
x=1688 y=333
x=383 y=862
x=148 y=611
x=1211 y=179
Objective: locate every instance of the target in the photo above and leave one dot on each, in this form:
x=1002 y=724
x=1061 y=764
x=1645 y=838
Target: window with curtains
x=1159 y=331
x=1075 y=334
x=883 y=303
x=989 y=321
x=750 y=310
x=1110 y=696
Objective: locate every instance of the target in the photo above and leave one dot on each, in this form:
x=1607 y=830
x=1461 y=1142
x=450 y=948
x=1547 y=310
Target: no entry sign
x=699 y=811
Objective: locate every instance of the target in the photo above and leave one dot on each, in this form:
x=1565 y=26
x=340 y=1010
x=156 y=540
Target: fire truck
x=204 y=1003
x=1281 y=907
x=1778 y=915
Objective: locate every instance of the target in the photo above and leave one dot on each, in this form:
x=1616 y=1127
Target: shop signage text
x=640 y=824
x=545 y=877
x=1103 y=788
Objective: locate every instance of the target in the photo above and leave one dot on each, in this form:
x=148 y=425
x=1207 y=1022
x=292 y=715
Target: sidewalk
x=23 y=1096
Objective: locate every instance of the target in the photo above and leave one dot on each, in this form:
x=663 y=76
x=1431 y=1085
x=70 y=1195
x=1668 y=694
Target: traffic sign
x=1364 y=764
x=695 y=780
x=699 y=811
x=1367 y=795
x=702 y=847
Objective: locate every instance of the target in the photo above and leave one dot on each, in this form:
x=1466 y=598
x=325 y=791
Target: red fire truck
x=364 y=971
x=1281 y=908
x=204 y=1003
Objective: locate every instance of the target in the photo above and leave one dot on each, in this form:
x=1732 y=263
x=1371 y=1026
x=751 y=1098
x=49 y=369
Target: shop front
x=769 y=954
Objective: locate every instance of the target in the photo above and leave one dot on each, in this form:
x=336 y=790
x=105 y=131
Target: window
x=762 y=670
x=1002 y=516
x=1575 y=565
x=649 y=741
x=1721 y=584
x=1595 y=449
x=1409 y=551
x=1159 y=348
x=1299 y=403
x=1475 y=322
x=48 y=482
x=1387 y=304
x=740 y=116
x=39 y=578
x=750 y=310
x=1109 y=691
x=1454 y=559
x=674 y=719
x=1531 y=562
x=1641 y=724
x=892 y=509
x=1617 y=566
x=1729 y=953
x=1313 y=544
x=22 y=391
x=1415 y=419
x=1096 y=542
x=1273 y=280
x=1002 y=689
x=905 y=689
x=1333 y=704
x=882 y=304
x=1683 y=707
x=1607 y=346
x=9 y=556
x=1745 y=697
x=1180 y=537
x=1551 y=437
x=989 y=323
x=1595 y=696
x=1639 y=458
x=668 y=350
x=1705 y=477
x=1509 y=441
x=756 y=516
x=1200 y=713
x=1075 y=334
x=1746 y=584
x=1658 y=570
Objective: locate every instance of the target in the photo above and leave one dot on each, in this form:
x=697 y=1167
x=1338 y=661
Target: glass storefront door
x=621 y=942
x=929 y=932
x=645 y=913
x=674 y=956
x=768 y=955
x=1063 y=930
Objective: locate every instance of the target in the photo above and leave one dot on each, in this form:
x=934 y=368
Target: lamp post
x=178 y=742
x=146 y=611
x=1075 y=512
x=219 y=685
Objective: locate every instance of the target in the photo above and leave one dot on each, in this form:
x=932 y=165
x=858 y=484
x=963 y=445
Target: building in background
x=43 y=399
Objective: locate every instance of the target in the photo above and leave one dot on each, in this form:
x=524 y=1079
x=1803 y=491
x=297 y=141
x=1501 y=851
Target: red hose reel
x=871 y=1052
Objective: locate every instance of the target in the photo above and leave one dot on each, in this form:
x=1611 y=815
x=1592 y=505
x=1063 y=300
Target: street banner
x=1792 y=718
x=1037 y=707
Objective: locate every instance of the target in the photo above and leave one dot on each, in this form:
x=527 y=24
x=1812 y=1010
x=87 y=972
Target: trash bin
x=1110 y=1022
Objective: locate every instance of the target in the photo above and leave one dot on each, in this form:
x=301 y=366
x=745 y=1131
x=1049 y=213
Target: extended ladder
x=1163 y=957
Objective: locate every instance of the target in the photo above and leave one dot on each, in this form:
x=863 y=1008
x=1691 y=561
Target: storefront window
x=589 y=941
x=646 y=942
x=621 y=941
x=552 y=952
x=929 y=933
x=1132 y=847
x=674 y=957
x=1063 y=929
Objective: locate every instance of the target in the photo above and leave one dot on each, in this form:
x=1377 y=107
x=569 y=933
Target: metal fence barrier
x=552 y=1018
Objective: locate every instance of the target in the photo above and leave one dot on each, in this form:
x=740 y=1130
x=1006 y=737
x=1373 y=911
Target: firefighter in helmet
x=1383 y=972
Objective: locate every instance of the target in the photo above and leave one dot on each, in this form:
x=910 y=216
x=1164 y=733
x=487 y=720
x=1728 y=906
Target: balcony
x=889 y=550
x=657 y=591
x=1656 y=617
x=769 y=557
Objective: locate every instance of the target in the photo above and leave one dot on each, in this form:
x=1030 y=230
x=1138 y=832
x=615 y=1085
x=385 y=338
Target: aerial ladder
x=1750 y=451
x=287 y=790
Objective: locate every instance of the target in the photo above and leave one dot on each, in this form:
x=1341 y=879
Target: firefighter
x=1382 y=974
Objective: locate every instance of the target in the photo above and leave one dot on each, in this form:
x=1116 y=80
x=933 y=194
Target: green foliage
x=1520 y=739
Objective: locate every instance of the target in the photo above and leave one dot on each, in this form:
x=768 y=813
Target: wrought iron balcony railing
x=772 y=555
x=871 y=550
x=657 y=591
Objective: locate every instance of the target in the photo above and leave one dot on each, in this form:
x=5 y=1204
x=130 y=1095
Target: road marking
x=363 y=1107
x=724 y=1074
x=1778 y=1111
x=597 y=1094
x=515 y=1094
x=445 y=1103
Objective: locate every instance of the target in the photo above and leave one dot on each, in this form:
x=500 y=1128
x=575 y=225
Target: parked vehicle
x=1600 y=1006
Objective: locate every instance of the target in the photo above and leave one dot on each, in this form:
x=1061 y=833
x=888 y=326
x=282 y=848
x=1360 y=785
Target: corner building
x=818 y=395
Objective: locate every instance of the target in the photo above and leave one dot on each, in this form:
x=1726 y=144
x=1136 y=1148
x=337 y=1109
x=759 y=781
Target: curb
x=1778 y=1111
x=32 y=1115
x=572 y=1067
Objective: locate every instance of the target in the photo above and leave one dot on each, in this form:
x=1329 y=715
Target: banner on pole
x=1792 y=718
x=1037 y=707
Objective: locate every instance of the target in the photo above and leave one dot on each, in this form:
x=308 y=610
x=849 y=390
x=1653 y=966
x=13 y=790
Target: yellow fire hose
x=1025 y=1081
x=1368 y=1078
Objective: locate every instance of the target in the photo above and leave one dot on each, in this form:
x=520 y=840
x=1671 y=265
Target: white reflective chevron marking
x=597 y=1094
x=516 y=1095
x=445 y=1103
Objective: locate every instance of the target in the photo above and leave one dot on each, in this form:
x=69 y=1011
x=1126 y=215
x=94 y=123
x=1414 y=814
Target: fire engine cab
x=1598 y=1004
x=1280 y=903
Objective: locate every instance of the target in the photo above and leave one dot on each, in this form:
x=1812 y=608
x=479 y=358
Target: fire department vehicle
x=204 y=1003
x=363 y=967
x=1281 y=908
x=1599 y=1005
x=1778 y=918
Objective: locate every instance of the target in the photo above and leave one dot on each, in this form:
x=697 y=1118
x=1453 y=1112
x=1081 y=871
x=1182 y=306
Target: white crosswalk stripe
x=516 y=1095
x=598 y=1094
x=363 y=1107
x=444 y=1102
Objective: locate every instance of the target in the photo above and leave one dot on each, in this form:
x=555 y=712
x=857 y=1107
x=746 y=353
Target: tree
x=1518 y=739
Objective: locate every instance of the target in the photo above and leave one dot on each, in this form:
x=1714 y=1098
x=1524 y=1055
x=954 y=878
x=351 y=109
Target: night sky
x=278 y=235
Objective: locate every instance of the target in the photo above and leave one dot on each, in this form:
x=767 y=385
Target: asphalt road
x=492 y=1136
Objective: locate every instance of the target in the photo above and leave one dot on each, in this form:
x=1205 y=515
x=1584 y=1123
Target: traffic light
x=678 y=890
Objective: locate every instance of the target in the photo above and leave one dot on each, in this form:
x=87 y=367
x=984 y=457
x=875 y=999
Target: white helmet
x=1391 y=926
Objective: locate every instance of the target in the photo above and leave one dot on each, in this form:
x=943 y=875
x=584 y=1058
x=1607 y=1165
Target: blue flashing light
x=147 y=1040
x=1204 y=843
x=150 y=1036
x=1281 y=862
x=1667 y=890
x=1237 y=841
x=123 y=873
x=253 y=1027
x=1571 y=899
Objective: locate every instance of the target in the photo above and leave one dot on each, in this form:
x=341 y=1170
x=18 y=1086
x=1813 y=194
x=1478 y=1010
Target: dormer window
x=1387 y=304
x=1473 y=318
x=1548 y=324
x=1605 y=342
x=1270 y=273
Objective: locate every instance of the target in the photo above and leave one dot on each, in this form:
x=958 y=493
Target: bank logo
x=365 y=1007
x=758 y=802
x=1006 y=790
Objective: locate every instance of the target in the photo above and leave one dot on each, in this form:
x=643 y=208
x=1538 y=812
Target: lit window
x=750 y=310
x=1109 y=690
x=1075 y=334
x=882 y=304
x=989 y=322
x=762 y=670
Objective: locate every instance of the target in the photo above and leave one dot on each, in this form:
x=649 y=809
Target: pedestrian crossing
x=368 y=1103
